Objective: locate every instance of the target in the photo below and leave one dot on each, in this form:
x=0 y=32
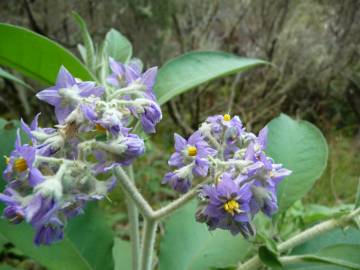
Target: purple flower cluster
x=243 y=178
x=50 y=179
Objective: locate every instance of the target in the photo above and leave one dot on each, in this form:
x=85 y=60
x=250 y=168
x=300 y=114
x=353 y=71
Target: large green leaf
x=87 y=244
x=302 y=148
x=122 y=254
x=189 y=245
x=345 y=256
x=192 y=69
x=326 y=241
x=334 y=237
x=36 y=56
x=117 y=46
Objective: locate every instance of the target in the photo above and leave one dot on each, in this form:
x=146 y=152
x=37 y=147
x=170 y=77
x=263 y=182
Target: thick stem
x=171 y=207
x=148 y=242
x=130 y=189
x=323 y=227
x=133 y=216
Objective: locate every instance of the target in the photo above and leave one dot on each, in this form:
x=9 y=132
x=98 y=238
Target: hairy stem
x=323 y=227
x=174 y=205
x=133 y=216
x=148 y=242
x=130 y=189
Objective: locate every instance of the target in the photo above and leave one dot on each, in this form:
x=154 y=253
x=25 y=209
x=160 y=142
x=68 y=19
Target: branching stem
x=323 y=227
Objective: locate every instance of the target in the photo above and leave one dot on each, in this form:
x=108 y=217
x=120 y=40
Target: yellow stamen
x=100 y=128
x=192 y=151
x=7 y=159
x=231 y=207
x=20 y=165
x=227 y=117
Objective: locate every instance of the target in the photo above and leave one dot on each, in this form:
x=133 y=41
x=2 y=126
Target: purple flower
x=111 y=120
x=220 y=123
x=40 y=209
x=123 y=74
x=179 y=184
x=47 y=141
x=227 y=206
x=50 y=232
x=66 y=93
x=34 y=129
x=122 y=152
x=151 y=116
x=13 y=211
x=263 y=199
x=21 y=162
x=194 y=150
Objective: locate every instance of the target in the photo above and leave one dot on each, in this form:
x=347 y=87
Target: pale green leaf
x=87 y=244
x=301 y=148
x=117 y=46
x=122 y=254
x=192 y=69
x=188 y=245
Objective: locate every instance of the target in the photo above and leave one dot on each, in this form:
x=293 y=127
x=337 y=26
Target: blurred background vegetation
x=313 y=44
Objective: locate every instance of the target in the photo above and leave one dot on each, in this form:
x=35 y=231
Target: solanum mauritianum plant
x=239 y=177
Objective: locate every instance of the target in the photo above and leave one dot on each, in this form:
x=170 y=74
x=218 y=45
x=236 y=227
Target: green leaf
x=89 y=45
x=93 y=237
x=345 y=256
x=269 y=243
x=334 y=237
x=87 y=243
x=37 y=56
x=9 y=76
x=7 y=267
x=350 y=236
x=300 y=147
x=269 y=257
x=122 y=254
x=357 y=199
x=189 y=245
x=117 y=46
x=192 y=69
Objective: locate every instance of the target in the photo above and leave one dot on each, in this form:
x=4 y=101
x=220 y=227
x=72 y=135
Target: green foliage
x=333 y=247
x=89 y=51
x=269 y=257
x=192 y=69
x=300 y=147
x=36 y=56
x=121 y=254
x=345 y=256
x=87 y=244
x=9 y=76
x=189 y=245
x=117 y=46
x=357 y=199
x=334 y=237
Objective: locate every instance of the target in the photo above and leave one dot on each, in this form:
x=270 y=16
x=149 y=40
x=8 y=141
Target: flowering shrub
x=244 y=179
x=238 y=176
